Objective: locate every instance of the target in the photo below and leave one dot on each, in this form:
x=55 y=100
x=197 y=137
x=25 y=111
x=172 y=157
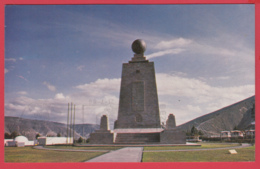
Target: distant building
x=54 y=140
x=237 y=134
x=225 y=134
x=250 y=133
x=19 y=141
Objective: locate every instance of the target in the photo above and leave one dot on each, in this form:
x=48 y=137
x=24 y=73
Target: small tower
x=170 y=123
x=104 y=123
x=103 y=135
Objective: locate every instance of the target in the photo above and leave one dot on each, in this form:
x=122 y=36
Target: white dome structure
x=22 y=139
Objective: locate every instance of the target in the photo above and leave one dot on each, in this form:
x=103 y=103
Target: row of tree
x=12 y=135
x=15 y=134
x=194 y=132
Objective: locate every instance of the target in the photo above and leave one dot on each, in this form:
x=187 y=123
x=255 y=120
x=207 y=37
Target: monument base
x=101 y=137
x=172 y=136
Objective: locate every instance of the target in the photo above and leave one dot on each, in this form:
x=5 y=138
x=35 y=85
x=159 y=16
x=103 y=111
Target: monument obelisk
x=138 y=104
x=138 y=120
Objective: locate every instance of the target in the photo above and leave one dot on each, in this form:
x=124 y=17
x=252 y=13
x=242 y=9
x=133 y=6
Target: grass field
x=244 y=154
x=30 y=155
x=203 y=146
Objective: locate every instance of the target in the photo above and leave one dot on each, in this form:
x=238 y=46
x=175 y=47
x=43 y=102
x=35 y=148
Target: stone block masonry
x=172 y=137
x=138 y=105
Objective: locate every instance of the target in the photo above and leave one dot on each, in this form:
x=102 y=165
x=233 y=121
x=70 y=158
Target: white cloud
x=187 y=98
x=21 y=77
x=10 y=59
x=193 y=97
x=49 y=86
x=81 y=67
x=20 y=58
x=101 y=87
x=191 y=87
x=220 y=78
x=193 y=109
x=99 y=97
x=22 y=93
x=179 y=42
x=165 y=52
x=59 y=96
x=6 y=70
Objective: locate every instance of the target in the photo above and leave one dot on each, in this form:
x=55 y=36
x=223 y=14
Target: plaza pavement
x=127 y=154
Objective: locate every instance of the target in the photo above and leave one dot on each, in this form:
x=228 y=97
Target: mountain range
x=239 y=115
x=30 y=128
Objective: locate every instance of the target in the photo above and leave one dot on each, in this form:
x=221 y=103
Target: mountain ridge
x=235 y=115
x=30 y=128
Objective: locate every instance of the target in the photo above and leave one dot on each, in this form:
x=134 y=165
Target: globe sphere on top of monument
x=138 y=46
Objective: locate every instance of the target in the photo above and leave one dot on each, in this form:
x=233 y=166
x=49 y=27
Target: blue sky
x=54 y=54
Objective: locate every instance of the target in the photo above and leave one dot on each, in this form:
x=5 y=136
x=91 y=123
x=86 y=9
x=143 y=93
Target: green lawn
x=203 y=145
x=30 y=155
x=244 y=154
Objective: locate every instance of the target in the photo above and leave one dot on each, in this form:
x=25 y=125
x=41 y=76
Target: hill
x=30 y=128
x=236 y=115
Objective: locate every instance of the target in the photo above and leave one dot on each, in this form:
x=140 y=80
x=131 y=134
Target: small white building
x=250 y=133
x=237 y=133
x=225 y=134
x=9 y=143
x=23 y=139
x=19 y=141
x=54 y=140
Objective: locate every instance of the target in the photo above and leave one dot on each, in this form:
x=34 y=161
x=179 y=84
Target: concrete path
x=128 y=154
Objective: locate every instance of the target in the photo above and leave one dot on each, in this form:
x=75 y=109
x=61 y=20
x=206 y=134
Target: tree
x=14 y=134
x=80 y=140
x=194 y=131
x=58 y=135
x=37 y=135
x=7 y=136
x=200 y=133
x=188 y=133
x=235 y=128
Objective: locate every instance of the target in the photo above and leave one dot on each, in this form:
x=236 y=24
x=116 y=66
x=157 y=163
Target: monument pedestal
x=101 y=137
x=137 y=136
x=172 y=136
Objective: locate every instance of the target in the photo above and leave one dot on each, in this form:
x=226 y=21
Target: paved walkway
x=128 y=154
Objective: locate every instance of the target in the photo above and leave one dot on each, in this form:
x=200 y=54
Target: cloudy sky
x=203 y=54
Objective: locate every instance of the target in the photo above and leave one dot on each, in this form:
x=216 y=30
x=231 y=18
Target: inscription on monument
x=138 y=96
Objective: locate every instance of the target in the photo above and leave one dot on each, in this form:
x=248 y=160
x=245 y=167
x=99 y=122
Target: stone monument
x=171 y=135
x=103 y=135
x=138 y=120
x=138 y=105
x=170 y=123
